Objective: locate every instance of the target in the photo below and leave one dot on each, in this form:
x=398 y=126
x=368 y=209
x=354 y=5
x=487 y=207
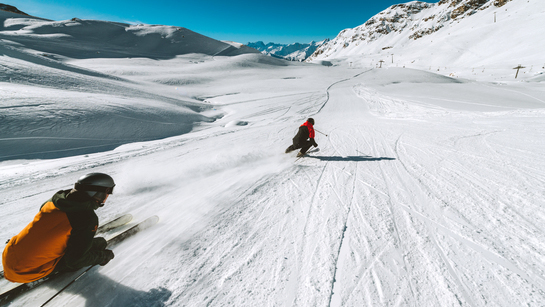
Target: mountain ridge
x=11 y=9
x=449 y=36
x=85 y=38
x=290 y=52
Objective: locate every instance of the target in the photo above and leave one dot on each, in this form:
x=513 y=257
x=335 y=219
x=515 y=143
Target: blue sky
x=241 y=21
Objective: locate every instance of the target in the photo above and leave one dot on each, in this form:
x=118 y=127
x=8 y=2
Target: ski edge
x=147 y=223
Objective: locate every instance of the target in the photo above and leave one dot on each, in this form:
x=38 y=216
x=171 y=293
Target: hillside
x=77 y=38
x=465 y=38
x=36 y=58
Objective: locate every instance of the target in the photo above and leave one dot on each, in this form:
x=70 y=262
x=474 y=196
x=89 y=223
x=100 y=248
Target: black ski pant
x=304 y=145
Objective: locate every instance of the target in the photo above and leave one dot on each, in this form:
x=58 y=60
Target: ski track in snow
x=407 y=203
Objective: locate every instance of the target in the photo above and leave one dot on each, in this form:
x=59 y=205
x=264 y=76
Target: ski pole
x=68 y=285
x=320 y=132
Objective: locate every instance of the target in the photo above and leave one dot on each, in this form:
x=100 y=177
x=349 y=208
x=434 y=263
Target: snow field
x=427 y=192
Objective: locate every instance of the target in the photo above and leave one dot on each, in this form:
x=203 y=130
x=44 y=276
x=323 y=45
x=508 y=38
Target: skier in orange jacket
x=61 y=236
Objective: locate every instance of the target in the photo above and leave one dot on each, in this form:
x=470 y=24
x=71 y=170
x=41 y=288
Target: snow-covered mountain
x=290 y=52
x=462 y=33
x=93 y=38
x=10 y=8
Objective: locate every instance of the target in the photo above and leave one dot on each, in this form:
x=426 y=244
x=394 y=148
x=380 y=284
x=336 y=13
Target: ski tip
x=152 y=220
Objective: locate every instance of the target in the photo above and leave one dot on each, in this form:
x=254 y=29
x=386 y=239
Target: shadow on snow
x=350 y=158
x=100 y=290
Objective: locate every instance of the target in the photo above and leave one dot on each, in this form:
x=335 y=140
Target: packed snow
x=428 y=190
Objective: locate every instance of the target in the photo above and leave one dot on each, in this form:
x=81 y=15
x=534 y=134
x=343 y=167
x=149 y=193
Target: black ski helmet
x=311 y=120
x=96 y=185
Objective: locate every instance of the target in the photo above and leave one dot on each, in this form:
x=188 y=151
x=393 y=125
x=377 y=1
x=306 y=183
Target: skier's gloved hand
x=107 y=255
x=99 y=243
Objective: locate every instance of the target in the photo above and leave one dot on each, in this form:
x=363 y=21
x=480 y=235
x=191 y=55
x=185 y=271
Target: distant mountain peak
x=12 y=9
x=290 y=52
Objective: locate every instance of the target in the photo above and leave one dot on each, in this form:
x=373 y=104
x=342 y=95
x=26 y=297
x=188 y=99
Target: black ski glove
x=107 y=255
x=99 y=243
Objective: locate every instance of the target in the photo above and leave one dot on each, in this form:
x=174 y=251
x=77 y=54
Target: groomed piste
x=427 y=191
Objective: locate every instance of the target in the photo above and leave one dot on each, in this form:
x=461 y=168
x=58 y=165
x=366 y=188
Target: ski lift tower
x=518 y=68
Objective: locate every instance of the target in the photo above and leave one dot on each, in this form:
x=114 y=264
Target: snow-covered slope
x=290 y=52
x=458 y=37
x=428 y=190
x=68 y=113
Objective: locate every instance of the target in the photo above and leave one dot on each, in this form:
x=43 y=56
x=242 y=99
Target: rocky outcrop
x=500 y=3
x=463 y=7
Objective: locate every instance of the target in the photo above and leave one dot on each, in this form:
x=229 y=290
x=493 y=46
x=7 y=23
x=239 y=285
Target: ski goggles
x=94 y=188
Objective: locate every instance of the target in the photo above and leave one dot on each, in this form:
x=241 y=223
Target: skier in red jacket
x=304 y=138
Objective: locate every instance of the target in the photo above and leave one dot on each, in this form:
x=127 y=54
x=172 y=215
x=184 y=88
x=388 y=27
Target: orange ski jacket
x=64 y=227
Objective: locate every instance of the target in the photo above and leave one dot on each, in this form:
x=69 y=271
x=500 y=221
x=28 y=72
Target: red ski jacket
x=306 y=132
x=310 y=129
